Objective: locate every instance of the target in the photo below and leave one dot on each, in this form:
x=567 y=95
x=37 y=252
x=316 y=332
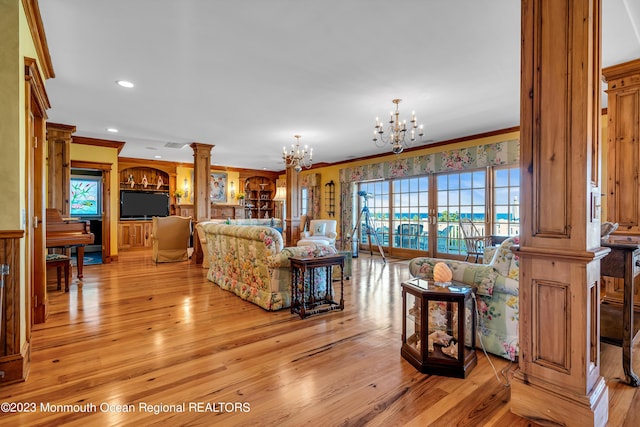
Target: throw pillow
x=319 y=229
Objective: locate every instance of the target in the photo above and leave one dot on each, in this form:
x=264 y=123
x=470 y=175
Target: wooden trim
x=97 y=142
x=62 y=127
x=11 y=234
x=32 y=76
x=620 y=70
x=81 y=164
x=34 y=20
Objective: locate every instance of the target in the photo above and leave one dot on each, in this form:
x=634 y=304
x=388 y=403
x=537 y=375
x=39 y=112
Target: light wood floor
x=137 y=333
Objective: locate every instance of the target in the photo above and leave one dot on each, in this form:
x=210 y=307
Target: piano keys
x=65 y=233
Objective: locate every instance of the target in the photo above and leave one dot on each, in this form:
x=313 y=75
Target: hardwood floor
x=138 y=334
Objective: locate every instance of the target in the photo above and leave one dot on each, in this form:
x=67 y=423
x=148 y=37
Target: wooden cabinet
x=259 y=192
x=227 y=211
x=623 y=148
x=134 y=234
x=623 y=140
x=183 y=210
x=218 y=211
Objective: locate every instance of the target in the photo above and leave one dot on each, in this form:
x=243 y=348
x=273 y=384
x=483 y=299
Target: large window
x=460 y=195
x=423 y=213
x=506 y=201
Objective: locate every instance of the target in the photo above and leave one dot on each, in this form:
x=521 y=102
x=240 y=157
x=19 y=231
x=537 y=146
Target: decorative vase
x=178 y=200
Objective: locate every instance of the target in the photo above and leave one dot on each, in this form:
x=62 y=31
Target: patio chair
x=474 y=241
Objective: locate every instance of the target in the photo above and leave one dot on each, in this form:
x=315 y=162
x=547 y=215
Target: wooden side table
x=618 y=324
x=305 y=301
x=438 y=327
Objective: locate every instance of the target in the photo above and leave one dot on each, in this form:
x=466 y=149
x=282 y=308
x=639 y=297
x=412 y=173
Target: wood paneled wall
x=13 y=356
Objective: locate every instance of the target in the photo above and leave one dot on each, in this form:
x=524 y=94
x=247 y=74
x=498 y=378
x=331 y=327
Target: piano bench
x=60 y=262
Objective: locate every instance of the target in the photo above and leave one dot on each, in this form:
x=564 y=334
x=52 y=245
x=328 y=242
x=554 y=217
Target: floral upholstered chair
x=497 y=295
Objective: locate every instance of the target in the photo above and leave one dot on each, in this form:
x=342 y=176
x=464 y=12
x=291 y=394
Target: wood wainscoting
x=14 y=358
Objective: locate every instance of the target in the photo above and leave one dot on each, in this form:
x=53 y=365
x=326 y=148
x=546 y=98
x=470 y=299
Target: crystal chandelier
x=297 y=157
x=396 y=134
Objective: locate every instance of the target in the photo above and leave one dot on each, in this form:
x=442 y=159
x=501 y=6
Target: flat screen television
x=143 y=204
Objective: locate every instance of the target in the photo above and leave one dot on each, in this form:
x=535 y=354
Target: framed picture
x=218 y=187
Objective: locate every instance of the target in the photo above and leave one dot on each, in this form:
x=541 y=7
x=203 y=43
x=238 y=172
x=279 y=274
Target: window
x=86 y=196
x=460 y=195
x=506 y=201
x=411 y=213
x=424 y=212
x=304 y=200
x=376 y=203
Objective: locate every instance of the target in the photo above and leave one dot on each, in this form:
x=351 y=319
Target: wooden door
x=36 y=189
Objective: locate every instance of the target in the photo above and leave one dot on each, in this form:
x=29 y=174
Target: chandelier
x=396 y=134
x=297 y=157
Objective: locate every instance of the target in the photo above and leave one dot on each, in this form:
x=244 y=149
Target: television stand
x=134 y=234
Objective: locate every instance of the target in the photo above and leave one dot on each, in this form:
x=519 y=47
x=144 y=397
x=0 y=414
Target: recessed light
x=125 y=83
x=157 y=157
x=112 y=130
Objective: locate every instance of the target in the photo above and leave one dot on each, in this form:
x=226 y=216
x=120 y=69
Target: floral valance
x=500 y=153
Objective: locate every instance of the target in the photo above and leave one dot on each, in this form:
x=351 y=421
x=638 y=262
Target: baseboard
x=14 y=368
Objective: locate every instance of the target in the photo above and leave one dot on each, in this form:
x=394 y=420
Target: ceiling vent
x=177 y=145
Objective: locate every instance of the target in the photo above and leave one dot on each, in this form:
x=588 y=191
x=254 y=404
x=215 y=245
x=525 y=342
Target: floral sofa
x=200 y=244
x=250 y=261
x=497 y=295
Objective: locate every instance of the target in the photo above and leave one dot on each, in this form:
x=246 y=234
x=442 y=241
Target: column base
x=549 y=406
x=15 y=367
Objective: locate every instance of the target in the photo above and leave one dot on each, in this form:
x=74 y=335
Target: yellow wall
x=91 y=153
x=186 y=172
x=183 y=173
x=16 y=43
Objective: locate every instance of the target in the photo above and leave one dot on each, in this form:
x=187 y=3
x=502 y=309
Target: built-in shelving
x=259 y=192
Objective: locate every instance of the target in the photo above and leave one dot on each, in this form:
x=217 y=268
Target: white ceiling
x=246 y=75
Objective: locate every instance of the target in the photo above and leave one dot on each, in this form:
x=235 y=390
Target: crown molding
x=34 y=20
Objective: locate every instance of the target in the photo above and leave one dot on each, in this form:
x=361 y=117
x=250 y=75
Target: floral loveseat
x=497 y=295
x=201 y=240
x=250 y=261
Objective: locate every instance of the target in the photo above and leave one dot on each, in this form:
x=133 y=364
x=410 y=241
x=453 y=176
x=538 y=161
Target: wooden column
x=559 y=380
x=292 y=206
x=201 y=171
x=59 y=166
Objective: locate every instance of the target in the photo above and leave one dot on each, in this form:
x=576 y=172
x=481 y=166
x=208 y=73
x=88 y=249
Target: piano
x=67 y=233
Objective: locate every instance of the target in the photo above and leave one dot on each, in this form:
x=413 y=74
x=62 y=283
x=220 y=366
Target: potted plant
x=177 y=194
x=240 y=198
